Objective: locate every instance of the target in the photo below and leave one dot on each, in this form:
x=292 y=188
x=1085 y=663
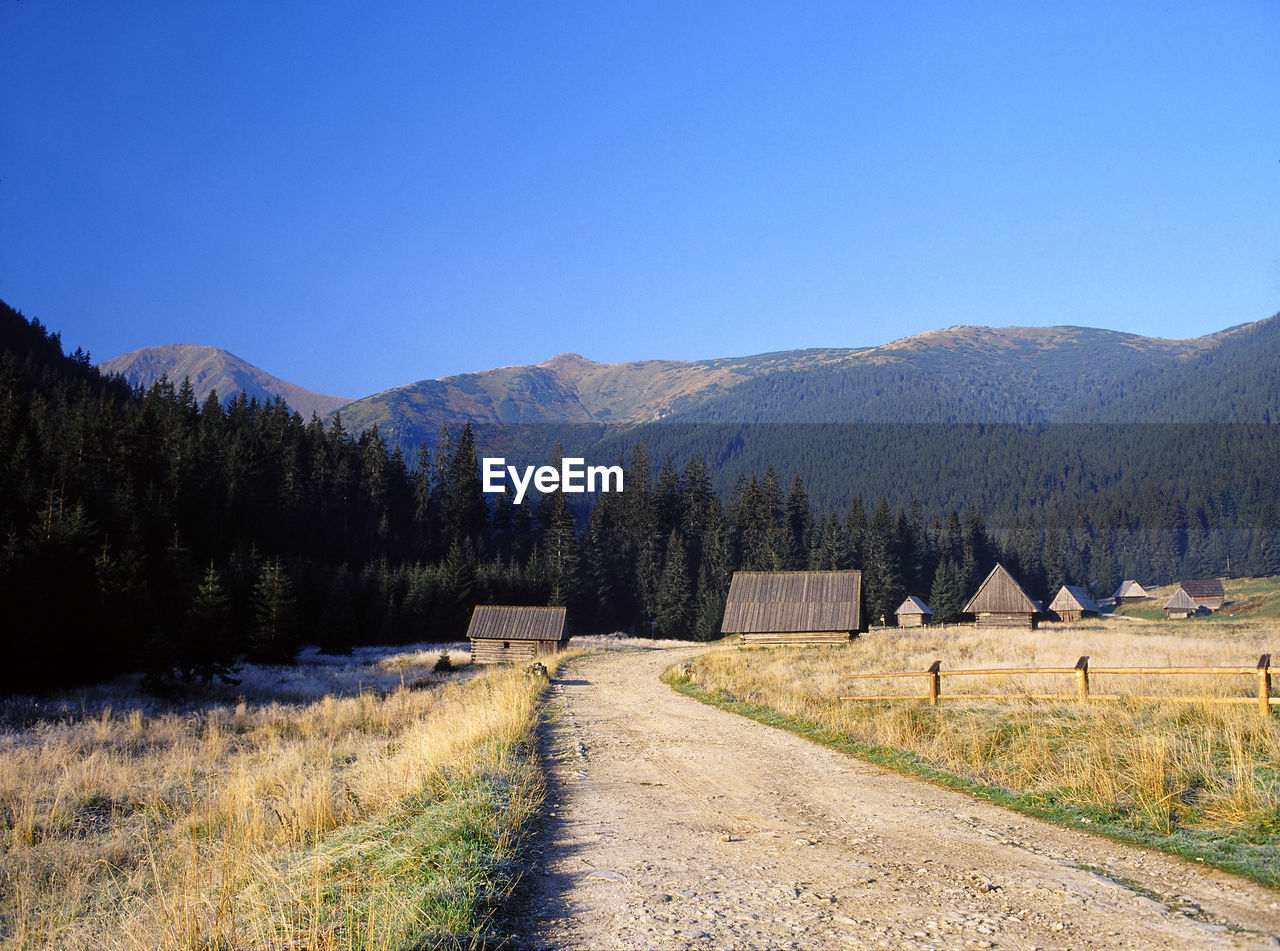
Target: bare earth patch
x=679 y=825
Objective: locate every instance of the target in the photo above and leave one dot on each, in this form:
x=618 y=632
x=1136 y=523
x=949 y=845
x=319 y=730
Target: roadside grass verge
x=384 y=818
x=1198 y=780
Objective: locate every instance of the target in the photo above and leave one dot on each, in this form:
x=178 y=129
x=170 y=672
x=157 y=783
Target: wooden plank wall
x=807 y=637
x=1021 y=621
x=485 y=651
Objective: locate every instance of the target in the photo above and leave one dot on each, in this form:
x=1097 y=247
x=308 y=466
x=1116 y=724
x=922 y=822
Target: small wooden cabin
x=1206 y=593
x=793 y=607
x=501 y=634
x=1001 y=602
x=1130 y=592
x=1072 y=604
x=1181 y=605
x=914 y=613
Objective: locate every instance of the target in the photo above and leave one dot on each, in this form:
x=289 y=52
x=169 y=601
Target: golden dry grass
x=1159 y=766
x=262 y=823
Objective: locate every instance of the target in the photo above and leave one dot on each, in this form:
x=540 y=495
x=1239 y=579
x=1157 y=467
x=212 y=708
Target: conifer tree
x=674 y=608
x=947 y=596
x=882 y=578
x=799 y=525
x=274 y=637
x=205 y=647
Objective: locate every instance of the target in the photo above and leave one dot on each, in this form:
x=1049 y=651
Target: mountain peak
x=568 y=360
x=212 y=368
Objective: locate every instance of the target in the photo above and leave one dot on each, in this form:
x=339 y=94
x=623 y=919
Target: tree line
x=147 y=530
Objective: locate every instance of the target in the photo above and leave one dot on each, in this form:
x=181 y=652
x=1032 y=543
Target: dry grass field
x=355 y=803
x=1198 y=777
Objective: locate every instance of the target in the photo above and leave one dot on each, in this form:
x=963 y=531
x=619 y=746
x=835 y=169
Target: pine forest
x=144 y=530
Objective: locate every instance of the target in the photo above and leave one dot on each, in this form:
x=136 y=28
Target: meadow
x=365 y=802
x=1198 y=778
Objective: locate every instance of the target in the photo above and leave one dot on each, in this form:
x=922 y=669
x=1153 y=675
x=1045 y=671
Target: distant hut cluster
x=504 y=634
x=824 y=607
x=793 y=607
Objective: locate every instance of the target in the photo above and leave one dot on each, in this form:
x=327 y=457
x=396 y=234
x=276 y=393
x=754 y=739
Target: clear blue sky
x=359 y=195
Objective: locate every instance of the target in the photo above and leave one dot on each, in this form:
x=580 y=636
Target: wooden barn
x=503 y=635
x=1001 y=602
x=793 y=607
x=1072 y=604
x=1130 y=592
x=914 y=613
x=1181 y=605
x=1207 y=594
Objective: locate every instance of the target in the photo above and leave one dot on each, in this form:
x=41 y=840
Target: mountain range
x=966 y=374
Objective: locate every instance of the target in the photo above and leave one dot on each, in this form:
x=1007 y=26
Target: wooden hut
x=1130 y=592
x=1072 y=604
x=793 y=607
x=1181 y=605
x=1001 y=602
x=1207 y=593
x=914 y=613
x=502 y=634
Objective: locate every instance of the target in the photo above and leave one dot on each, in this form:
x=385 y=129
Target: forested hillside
x=145 y=529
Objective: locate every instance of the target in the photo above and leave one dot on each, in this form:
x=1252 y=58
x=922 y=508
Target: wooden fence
x=1081 y=672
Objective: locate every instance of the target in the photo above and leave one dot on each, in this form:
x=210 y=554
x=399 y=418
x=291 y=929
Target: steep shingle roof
x=789 y=602
x=502 y=622
x=913 y=605
x=1130 y=589
x=1000 y=594
x=1072 y=598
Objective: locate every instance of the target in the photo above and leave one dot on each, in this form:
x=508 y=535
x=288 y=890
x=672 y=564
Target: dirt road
x=677 y=825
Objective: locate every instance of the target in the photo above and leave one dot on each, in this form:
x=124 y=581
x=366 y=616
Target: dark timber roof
x=516 y=623
x=1071 y=598
x=1210 y=588
x=790 y=602
x=1000 y=594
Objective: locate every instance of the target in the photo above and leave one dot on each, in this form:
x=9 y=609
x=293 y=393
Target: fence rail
x=1081 y=671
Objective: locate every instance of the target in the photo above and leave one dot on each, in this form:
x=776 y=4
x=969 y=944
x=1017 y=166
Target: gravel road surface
x=677 y=825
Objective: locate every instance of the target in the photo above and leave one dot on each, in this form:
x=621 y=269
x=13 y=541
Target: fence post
x=935 y=687
x=1264 y=685
x=1082 y=678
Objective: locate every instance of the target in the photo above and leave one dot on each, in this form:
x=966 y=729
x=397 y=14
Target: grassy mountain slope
x=211 y=368
x=1025 y=375
x=567 y=389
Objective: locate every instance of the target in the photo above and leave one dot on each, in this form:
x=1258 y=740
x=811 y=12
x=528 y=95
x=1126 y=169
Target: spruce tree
x=204 y=650
x=274 y=637
x=947 y=596
x=674 y=612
